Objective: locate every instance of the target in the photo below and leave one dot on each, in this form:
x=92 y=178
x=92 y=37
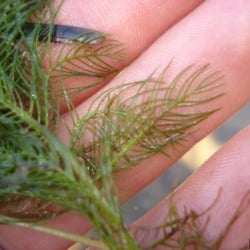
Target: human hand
x=155 y=32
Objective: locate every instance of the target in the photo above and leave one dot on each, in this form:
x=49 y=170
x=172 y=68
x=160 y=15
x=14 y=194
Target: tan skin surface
x=215 y=32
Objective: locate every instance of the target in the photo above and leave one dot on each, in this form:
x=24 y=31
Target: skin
x=200 y=32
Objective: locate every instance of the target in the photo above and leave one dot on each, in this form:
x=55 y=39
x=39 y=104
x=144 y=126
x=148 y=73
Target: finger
x=127 y=21
x=133 y=23
x=222 y=185
x=189 y=42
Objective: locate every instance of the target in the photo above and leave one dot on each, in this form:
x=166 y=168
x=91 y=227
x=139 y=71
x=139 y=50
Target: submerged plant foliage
x=142 y=118
x=40 y=177
x=183 y=230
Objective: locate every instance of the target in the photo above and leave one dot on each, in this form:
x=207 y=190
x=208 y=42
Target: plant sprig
x=145 y=122
x=40 y=177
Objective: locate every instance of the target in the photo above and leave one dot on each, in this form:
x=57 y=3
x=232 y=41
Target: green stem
x=56 y=232
x=129 y=145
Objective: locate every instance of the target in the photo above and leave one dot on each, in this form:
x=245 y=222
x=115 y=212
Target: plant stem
x=59 y=233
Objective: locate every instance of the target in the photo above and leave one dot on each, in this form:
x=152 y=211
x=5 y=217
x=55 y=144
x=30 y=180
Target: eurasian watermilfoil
x=40 y=177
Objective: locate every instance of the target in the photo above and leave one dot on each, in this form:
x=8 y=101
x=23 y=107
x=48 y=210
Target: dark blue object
x=64 y=33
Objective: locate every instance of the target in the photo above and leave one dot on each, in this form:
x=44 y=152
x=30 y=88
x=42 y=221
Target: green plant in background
x=40 y=177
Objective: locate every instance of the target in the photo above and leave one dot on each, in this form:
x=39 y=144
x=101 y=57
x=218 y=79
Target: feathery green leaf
x=145 y=117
